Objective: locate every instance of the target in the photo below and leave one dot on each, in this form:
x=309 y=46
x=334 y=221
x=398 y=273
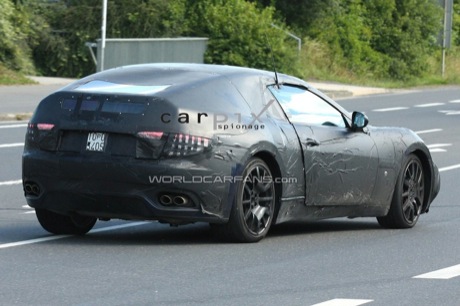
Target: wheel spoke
x=247 y=215
x=406 y=182
x=260 y=187
x=259 y=211
x=406 y=205
x=247 y=189
x=408 y=211
x=265 y=199
x=411 y=210
x=258 y=172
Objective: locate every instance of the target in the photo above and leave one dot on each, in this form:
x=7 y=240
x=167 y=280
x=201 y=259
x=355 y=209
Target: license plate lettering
x=96 y=142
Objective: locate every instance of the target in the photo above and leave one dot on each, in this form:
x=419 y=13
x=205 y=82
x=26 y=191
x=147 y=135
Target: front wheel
x=408 y=196
x=253 y=209
x=64 y=225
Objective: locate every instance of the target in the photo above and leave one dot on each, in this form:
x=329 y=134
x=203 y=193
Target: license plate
x=96 y=142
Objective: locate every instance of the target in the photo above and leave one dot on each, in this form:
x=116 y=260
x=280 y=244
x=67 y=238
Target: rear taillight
x=45 y=126
x=184 y=145
x=152 y=144
x=42 y=134
x=150 y=135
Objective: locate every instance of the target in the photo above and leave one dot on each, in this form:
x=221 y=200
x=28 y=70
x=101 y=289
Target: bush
x=390 y=39
x=243 y=35
x=343 y=27
x=382 y=39
x=14 y=32
x=62 y=52
x=406 y=32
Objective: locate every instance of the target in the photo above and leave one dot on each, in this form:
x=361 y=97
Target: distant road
x=23 y=98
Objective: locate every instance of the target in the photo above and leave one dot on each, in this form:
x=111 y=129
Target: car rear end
x=110 y=156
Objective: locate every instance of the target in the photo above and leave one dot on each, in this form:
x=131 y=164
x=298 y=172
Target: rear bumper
x=116 y=187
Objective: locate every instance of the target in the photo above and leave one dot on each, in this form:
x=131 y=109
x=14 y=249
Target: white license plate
x=96 y=142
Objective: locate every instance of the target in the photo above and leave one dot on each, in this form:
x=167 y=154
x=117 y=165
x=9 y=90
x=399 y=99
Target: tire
x=64 y=225
x=253 y=209
x=408 y=196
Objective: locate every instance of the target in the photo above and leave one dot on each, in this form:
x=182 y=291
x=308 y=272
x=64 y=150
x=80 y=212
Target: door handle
x=312 y=142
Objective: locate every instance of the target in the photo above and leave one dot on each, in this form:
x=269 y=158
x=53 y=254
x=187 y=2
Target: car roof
x=160 y=74
x=177 y=82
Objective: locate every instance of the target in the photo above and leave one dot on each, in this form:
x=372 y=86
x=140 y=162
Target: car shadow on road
x=201 y=233
x=323 y=226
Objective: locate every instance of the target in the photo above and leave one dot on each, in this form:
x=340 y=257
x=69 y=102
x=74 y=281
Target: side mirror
x=358 y=121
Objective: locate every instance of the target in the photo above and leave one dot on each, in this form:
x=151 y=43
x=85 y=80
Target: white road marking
x=437 y=150
x=454 y=101
x=449 y=168
x=429 y=131
x=11 y=145
x=446 y=273
x=430 y=104
x=50 y=238
x=439 y=145
x=10 y=183
x=30 y=210
x=450 y=112
x=12 y=126
x=343 y=302
x=391 y=109
x=32 y=241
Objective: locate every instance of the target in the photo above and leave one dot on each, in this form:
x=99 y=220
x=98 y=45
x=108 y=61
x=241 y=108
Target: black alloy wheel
x=408 y=196
x=254 y=205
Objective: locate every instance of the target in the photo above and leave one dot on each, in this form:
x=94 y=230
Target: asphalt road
x=24 y=98
x=336 y=262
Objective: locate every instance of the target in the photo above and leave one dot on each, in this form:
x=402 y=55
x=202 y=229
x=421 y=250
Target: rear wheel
x=254 y=205
x=408 y=196
x=64 y=225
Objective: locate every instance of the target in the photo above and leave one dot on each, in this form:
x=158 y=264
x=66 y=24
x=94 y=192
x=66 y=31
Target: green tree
x=14 y=33
x=406 y=32
x=379 y=38
x=241 y=34
x=75 y=22
x=342 y=26
x=297 y=14
x=385 y=38
x=456 y=24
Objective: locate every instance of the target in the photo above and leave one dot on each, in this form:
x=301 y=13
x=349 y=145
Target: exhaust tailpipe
x=32 y=189
x=180 y=200
x=165 y=200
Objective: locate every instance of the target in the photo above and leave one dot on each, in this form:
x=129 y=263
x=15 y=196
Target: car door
x=340 y=164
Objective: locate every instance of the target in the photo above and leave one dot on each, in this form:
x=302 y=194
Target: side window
x=274 y=109
x=302 y=106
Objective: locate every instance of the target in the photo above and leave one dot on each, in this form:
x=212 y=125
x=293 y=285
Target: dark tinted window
x=69 y=104
x=92 y=104
x=89 y=105
x=123 y=107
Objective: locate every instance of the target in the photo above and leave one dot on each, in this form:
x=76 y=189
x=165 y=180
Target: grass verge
x=8 y=77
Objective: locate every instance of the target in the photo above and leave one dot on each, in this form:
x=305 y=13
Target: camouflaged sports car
x=239 y=148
